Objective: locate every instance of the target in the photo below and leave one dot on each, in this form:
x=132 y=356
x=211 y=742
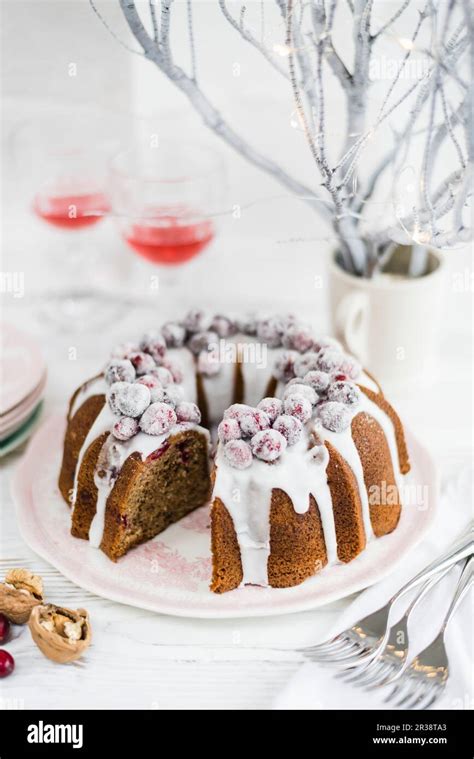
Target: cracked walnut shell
x=19 y=594
x=61 y=634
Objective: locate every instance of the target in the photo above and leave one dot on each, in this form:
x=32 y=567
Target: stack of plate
x=23 y=379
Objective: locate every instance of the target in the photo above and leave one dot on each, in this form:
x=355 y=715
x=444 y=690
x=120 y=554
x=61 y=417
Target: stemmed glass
x=165 y=200
x=64 y=158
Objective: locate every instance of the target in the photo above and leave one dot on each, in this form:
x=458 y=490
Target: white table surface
x=143 y=660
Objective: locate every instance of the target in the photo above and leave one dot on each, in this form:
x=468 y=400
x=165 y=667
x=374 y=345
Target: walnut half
x=61 y=634
x=19 y=594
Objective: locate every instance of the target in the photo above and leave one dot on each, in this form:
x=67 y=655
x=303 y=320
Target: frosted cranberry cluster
x=263 y=432
x=144 y=391
x=266 y=431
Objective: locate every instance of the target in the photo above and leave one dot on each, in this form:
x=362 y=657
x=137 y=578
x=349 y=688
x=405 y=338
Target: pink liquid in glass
x=168 y=238
x=71 y=211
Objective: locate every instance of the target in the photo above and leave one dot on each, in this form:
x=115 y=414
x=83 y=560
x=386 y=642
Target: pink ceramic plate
x=15 y=418
x=22 y=367
x=170 y=574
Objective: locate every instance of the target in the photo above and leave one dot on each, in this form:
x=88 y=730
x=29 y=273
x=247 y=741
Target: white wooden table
x=143 y=660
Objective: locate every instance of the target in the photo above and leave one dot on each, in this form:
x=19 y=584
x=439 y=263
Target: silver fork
x=367 y=637
x=392 y=659
x=426 y=677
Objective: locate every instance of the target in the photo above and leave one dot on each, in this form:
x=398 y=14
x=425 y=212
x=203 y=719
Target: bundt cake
x=308 y=459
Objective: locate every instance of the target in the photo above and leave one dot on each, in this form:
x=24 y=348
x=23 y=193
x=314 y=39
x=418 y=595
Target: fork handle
x=460 y=550
x=465 y=581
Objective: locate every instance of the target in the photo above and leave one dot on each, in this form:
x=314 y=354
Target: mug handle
x=349 y=320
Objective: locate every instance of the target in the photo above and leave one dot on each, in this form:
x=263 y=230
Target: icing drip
x=247 y=496
x=96 y=386
x=247 y=493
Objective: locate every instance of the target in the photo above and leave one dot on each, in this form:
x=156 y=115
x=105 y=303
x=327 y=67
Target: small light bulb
x=282 y=50
x=405 y=43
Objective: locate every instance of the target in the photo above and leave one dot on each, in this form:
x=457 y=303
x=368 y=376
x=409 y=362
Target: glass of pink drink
x=165 y=201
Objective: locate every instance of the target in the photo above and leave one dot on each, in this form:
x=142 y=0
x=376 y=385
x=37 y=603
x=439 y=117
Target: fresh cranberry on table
x=5 y=629
x=7 y=663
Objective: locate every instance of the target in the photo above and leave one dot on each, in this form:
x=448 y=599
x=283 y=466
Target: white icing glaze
x=95 y=386
x=247 y=493
x=247 y=496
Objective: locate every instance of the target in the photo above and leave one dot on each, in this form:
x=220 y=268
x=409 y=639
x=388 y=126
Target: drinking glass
x=166 y=200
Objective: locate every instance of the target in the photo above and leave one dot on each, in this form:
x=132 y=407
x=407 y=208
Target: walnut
x=19 y=594
x=61 y=634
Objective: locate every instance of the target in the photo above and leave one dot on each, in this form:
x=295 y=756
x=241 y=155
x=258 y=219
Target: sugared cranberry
x=130 y=400
x=319 y=381
x=253 y=422
x=229 y=429
x=197 y=320
x=272 y=407
x=157 y=419
x=288 y=426
x=188 y=412
x=154 y=343
x=305 y=390
x=119 y=370
x=247 y=324
x=238 y=453
x=270 y=331
x=351 y=367
x=5 y=629
x=223 y=326
x=174 y=334
x=143 y=362
x=306 y=363
x=330 y=360
x=154 y=386
x=237 y=411
x=335 y=416
x=125 y=428
x=173 y=395
x=344 y=392
x=202 y=341
x=163 y=376
x=268 y=445
x=299 y=406
x=284 y=367
x=299 y=338
x=7 y=663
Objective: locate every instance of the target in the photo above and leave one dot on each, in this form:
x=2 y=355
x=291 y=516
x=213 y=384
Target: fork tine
x=386 y=679
x=338 y=640
x=351 y=650
x=417 y=688
x=377 y=676
x=432 y=697
x=354 y=673
x=421 y=694
x=398 y=689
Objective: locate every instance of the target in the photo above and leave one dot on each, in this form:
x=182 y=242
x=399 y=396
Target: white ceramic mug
x=390 y=322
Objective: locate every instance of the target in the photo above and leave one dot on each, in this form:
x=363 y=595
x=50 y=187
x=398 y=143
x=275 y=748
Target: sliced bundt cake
x=308 y=448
